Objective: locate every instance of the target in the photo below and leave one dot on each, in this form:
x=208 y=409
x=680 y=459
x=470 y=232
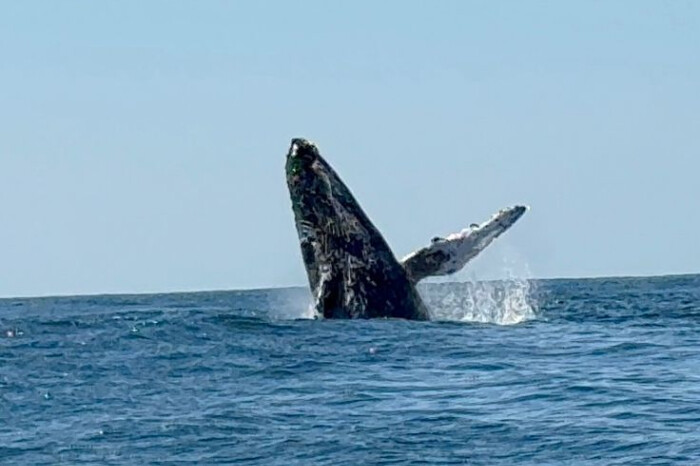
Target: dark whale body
x=352 y=271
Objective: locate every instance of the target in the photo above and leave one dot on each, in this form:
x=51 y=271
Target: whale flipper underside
x=448 y=255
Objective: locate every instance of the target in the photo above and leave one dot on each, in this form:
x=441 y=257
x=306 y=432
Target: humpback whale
x=351 y=269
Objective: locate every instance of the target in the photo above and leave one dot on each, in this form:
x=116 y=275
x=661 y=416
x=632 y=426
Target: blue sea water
x=586 y=372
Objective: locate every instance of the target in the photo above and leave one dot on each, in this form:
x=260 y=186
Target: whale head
x=318 y=196
x=309 y=182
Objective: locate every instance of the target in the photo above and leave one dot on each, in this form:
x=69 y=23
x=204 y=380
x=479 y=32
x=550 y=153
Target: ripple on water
x=603 y=372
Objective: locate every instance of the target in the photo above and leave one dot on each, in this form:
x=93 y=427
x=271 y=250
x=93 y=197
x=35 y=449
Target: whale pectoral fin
x=426 y=262
x=450 y=254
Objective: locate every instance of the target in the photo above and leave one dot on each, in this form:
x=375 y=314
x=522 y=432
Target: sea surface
x=553 y=372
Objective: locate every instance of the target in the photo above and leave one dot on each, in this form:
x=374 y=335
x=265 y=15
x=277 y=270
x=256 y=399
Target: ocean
x=539 y=372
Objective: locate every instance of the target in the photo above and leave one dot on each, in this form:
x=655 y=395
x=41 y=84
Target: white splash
x=504 y=302
x=291 y=304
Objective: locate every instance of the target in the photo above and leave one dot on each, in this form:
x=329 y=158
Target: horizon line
x=267 y=288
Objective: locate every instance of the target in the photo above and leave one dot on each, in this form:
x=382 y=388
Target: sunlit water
x=578 y=372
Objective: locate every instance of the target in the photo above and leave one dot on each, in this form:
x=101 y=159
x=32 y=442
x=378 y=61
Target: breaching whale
x=352 y=271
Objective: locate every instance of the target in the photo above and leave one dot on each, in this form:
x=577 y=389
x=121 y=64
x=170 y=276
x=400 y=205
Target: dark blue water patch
x=606 y=373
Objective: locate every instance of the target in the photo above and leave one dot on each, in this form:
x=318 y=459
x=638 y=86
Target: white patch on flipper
x=459 y=248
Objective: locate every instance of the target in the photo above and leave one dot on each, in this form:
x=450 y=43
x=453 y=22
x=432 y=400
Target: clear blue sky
x=142 y=143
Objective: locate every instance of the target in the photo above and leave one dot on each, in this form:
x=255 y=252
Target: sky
x=142 y=144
